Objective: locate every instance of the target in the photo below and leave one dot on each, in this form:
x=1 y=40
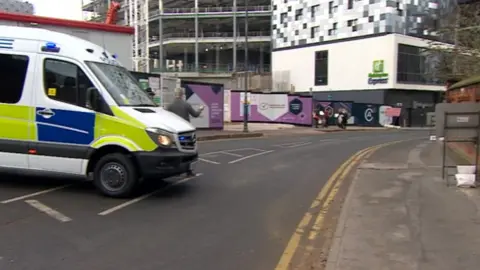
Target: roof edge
x=15 y=17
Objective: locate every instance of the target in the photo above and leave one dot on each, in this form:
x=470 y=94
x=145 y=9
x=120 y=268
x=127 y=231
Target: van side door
x=65 y=124
x=17 y=127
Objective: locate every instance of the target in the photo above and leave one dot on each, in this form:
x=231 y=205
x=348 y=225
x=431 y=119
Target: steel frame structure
x=142 y=15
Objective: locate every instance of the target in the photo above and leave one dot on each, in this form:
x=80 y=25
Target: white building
x=357 y=50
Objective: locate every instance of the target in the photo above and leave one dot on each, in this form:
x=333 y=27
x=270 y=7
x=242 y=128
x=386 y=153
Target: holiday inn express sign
x=378 y=75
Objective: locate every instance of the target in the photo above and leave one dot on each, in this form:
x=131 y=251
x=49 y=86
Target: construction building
x=16 y=6
x=194 y=38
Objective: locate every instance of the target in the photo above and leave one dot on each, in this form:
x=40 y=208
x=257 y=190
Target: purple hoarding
x=276 y=108
x=210 y=96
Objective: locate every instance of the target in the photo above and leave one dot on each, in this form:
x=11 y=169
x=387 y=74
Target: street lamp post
x=245 y=97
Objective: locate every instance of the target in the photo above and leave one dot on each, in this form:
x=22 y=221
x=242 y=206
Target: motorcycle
x=321 y=119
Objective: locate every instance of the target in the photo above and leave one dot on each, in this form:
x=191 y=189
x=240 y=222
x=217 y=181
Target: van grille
x=187 y=140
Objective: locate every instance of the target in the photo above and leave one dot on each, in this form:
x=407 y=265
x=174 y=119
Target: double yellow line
x=323 y=200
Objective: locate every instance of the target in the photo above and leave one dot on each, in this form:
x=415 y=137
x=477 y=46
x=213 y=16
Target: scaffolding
x=193 y=36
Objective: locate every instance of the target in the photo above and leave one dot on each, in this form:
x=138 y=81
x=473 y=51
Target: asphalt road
x=238 y=214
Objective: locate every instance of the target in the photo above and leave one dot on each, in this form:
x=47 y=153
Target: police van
x=67 y=106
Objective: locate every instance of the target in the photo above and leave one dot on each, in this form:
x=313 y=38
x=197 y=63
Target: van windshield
x=121 y=85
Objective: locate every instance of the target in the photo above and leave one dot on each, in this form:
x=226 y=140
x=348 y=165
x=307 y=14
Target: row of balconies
x=179 y=66
x=209 y=35
x=211 y=11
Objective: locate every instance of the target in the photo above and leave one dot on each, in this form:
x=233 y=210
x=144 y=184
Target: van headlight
x=160 y=137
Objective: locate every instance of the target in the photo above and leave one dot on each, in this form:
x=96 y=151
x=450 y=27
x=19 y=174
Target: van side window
x=65 y=82
x=13 y=70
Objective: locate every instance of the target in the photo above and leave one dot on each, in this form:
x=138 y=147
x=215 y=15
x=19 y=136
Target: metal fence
x=167 y=87
x=281 y=81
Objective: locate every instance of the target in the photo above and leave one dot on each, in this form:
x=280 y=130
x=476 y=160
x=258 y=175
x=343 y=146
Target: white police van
x=68 y=107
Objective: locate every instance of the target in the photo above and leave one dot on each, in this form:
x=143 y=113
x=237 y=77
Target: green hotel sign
x=378 y=75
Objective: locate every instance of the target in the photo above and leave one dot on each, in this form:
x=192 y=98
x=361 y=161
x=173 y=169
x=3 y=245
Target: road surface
x=239 y=213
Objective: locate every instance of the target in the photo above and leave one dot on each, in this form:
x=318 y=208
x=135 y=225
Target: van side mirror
x=94 y=100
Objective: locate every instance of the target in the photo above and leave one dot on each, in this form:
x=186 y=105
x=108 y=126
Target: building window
x=13 y=71
x=350 y=4
x=321 y=68
x=353 y=24
x=330 y=7
x=65 y=82
x=298 y=14
x=333 y=30
x=314 y=32
x=413 y=65
x=314 y=10
x=283 y=17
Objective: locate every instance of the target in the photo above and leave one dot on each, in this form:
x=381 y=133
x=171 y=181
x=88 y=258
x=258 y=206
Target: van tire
x=115 y=175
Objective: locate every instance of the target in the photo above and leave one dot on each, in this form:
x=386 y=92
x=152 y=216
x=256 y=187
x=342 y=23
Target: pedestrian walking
x=184 y=109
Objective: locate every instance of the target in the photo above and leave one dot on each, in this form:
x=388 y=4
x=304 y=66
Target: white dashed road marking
x=143 y=197
x=20 y=198
x=49 y=211
x=208 y=161
x=250 y=156
x=231 y=154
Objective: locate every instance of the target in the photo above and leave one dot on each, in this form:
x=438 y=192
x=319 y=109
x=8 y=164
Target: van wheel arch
x=105 y=150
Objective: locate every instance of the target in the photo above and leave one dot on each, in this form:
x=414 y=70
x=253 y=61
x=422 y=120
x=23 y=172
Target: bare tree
x=456 y=53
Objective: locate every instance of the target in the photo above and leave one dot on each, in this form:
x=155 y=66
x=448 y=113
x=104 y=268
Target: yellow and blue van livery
x=70 y=107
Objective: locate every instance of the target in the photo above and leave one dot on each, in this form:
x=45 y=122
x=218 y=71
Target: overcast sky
x=64 y=9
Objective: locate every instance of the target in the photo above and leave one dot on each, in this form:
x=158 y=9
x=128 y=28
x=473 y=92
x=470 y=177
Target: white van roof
x=30 y=39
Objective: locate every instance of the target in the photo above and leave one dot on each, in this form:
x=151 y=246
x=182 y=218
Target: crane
x=112 y=13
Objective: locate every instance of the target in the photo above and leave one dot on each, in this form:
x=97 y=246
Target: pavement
x=235 y=131
x=400 y=214
x=238 y=213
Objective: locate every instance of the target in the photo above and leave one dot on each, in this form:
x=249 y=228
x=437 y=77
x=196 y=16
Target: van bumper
x=164 y=163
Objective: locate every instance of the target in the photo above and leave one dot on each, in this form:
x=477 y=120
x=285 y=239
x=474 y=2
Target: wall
x=360 y=96
x=272 y=108
x=349 y=63
x=116 y=43
x=211 y=97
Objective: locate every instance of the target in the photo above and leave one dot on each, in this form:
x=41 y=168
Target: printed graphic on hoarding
x=279 y=108
x=383 y=118
x=368 y=115
x=378 y=75
x=211 y=97
x=365 y=114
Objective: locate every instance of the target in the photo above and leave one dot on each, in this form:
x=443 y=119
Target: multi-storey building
x=16 y=6
x=358 y=50
x=185 y=36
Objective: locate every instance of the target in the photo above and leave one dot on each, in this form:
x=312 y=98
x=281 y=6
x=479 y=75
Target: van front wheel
x=115 y=175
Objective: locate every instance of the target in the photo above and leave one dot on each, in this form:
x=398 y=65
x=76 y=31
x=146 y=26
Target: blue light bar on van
x=114 y=56
x=50 y=47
